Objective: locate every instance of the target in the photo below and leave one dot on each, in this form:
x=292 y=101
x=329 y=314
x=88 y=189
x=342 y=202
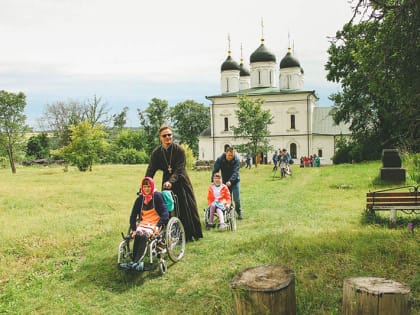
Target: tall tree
x=376 y=62
x=190 y=119
x=252 y=125
x=96 y=111
x=152 y=118
x=12 y=124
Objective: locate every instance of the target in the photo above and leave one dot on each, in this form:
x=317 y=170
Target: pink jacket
x=224 y=195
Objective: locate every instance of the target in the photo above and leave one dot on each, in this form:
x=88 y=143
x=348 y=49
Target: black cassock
x=172 y=162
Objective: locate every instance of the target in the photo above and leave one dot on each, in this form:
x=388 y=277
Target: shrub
x=189 y=157
x=132 y=156
x=412 y=163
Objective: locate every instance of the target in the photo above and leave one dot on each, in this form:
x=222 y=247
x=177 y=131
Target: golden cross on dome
x=229 y=44
x=262 y=30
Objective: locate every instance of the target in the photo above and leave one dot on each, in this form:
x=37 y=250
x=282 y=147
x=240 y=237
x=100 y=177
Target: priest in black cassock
x=170 y=158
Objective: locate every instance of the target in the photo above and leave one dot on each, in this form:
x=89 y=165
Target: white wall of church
x=291 y=79
x=229 y=81
x=263 y=74
x=223 y=113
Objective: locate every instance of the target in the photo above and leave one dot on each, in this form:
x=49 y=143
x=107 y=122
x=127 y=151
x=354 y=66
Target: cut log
x=266 y=289
x=375 y=296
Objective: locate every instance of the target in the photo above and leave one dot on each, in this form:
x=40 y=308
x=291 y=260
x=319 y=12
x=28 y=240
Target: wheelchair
x=228 y=216
x=169 y=241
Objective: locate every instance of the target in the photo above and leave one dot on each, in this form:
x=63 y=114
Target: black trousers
x=139 y=247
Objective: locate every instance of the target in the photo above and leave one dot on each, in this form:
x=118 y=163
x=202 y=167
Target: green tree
x=253 y=121
x=87 y=143
x=190 y=119
x=120 y=119
x=38 y=146
x=376 y=62
x=12 y=124
x=151 y=119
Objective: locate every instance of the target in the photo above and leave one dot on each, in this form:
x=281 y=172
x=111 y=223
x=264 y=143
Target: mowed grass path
x=60 y=232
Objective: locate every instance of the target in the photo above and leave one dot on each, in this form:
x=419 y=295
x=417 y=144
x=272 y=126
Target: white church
x=299 y=124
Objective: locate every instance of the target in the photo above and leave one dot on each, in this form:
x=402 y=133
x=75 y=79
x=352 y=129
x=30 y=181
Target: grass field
x=60 y=232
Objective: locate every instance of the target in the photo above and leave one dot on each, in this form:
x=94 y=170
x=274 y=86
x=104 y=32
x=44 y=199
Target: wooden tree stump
x=266 y=289
x=375 y=296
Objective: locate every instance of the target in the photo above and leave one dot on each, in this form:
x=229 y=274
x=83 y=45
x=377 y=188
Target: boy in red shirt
x=218 y=199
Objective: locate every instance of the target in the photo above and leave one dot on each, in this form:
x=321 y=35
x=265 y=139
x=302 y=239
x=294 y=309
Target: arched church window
x=227 y=85
x=293 y=150
x=226 y=124
x=259 y=77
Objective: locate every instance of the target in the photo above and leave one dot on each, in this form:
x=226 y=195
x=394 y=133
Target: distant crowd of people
x=310 y=161
x=282 y=159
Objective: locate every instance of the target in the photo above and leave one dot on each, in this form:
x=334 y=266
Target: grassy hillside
x=60 y=232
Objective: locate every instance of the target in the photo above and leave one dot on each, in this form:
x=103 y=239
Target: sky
x=129 y=51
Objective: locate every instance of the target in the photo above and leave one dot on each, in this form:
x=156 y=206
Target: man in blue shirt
x=228 y=163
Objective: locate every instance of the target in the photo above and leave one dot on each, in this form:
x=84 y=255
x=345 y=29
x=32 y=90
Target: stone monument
x=391 y=166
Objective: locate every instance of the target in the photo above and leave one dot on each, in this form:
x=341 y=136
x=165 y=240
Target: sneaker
x=124 y=266
x=222 y=226
x=139 y=266
x=240 y=216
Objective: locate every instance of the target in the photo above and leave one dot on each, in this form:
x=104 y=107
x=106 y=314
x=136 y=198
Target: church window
x=226 y=124
x=320 y=153
x=292 y=122
x=293 y=150
x=270 y=78
x=259 y=77
x=227 y=85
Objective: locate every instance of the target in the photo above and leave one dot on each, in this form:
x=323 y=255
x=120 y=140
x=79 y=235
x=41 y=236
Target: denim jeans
x=235 y=191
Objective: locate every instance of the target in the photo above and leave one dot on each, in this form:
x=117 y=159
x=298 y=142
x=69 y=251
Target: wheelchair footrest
x=140 y=266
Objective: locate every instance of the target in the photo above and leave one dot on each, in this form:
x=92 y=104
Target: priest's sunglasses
x=167 y=135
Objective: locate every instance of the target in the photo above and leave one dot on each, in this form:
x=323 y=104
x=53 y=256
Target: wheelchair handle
x=126 y=237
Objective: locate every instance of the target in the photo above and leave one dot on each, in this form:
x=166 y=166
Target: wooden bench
x=393 y=200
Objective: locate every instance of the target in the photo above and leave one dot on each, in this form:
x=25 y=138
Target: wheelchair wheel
x=162 y=266
x=124 y=254
x=206 y=216
x=175 y=239
x=230 y=219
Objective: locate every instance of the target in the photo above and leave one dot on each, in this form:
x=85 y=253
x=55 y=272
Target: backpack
x=169 y=199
